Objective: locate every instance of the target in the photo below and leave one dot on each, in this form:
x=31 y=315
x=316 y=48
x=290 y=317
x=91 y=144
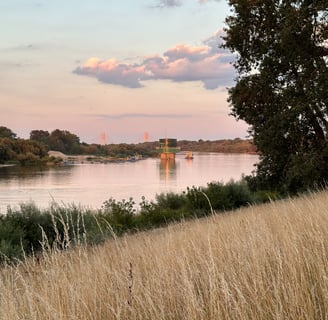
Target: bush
x=30 y=220
x=218 y=196
x=28 y=229
x=11 y=241
x=264 y=196
x=197 y=203
x=238 y=195
x=119 y=214
x=171 y=200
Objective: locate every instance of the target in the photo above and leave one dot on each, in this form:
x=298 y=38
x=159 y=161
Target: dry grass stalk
x=265 y=262
x=130 y=277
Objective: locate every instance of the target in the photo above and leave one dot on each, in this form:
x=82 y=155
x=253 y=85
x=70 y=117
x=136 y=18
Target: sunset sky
x=116 y=68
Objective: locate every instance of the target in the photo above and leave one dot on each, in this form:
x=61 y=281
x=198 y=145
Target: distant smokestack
x=102 y=138
x=146 y=136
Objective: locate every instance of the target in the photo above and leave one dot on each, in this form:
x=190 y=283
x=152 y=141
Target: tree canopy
x=281 y=89
x=59 y=140
x=7 y=133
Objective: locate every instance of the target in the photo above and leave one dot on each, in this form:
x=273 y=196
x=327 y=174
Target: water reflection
x=92 y=184
x=21 y=172
x=167 y=170
x=189 y=162
x=32 y=175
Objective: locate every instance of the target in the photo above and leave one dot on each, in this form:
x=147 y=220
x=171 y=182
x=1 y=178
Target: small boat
x=189 y=155
x=134 y=158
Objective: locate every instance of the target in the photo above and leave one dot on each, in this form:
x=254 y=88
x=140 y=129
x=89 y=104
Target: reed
x=262 y=262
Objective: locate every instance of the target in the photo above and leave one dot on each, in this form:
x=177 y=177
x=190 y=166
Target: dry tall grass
x=265 y=262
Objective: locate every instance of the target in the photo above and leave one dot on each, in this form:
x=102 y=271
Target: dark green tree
x=40 y=135
x=64 y=141
x=7 y=150
x=7 y=133
x=281 y=89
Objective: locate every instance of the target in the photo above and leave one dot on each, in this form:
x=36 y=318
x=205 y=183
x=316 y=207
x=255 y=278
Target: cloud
x=206 y=1
x=114 y=72
x=167 y=4
x=141 y=115
x=183 y=63
x=24 y=47
x=176 y=3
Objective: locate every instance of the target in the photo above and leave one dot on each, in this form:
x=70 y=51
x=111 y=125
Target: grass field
x=263 y=262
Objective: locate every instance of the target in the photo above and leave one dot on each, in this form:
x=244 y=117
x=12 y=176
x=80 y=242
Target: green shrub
x=11 y=241
x=171 y=200
x=26 y=229
x=29 y=218
x=119 y=214
x=238 y=195
x=263 y=196
x=196 y=202
x=218 y=196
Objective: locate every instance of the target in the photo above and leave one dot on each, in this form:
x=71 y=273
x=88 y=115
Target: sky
x=116 y=70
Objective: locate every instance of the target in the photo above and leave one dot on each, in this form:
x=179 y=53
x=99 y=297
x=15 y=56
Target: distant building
x=167 y=149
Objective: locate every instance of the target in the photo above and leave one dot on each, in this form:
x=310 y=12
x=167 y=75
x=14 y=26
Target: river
x=91 y=184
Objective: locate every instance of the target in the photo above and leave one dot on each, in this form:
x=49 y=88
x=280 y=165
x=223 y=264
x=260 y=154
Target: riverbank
x=80 y=159
x=262 y=262
x=23 y=226
x=70 y=150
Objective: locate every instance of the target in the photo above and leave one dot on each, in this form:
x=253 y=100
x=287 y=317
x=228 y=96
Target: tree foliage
x=22 y=151
x=40 y=135
x=58 y=140
x=7 y=133
x=282 y=87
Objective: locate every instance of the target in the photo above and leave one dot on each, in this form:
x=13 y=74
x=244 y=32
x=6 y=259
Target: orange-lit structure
x=146 y=136
x=167 y=149
x=103 y=138
x=167 y=170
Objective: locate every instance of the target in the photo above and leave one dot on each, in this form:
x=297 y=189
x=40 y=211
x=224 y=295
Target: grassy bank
x=261 y=262
x=25 y=227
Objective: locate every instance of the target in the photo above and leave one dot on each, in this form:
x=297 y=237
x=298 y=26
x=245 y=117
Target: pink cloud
x=206 y=63
x=113 y=72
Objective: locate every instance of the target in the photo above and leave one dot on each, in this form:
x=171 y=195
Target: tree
x=40 y=135
x=64 y=141
x=6 y=133
x=24 y=151
x=7 y=150
x=281 y=89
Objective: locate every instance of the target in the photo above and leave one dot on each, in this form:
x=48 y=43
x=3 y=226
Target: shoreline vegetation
x=224 y=251
x=23 y=227
x=44 y=148
x=262 y=262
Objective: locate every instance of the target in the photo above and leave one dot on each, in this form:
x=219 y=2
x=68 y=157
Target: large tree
x=40 y=135
x=281 y=89
x=64 y=141
x=7 y=133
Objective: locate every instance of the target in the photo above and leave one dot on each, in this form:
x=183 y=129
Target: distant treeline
x=34 y=150
x=16 y=150
x=225 y=146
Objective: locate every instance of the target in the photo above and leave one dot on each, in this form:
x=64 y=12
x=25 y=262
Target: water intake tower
x=167 y=149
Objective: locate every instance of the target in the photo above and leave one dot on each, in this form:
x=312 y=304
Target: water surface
x=92 y=184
